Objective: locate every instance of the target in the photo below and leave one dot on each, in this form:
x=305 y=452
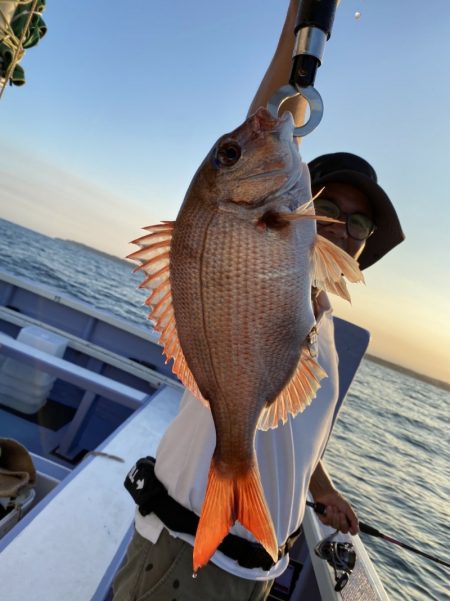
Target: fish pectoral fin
x=154 y=258
x=304 y=211
x=296 y=395
x=228 y=499
x=331 y=265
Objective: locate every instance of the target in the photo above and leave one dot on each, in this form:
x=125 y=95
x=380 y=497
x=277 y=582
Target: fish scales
x=253 y=313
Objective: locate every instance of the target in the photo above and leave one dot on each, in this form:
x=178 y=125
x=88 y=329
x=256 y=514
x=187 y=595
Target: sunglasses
x=359 y=226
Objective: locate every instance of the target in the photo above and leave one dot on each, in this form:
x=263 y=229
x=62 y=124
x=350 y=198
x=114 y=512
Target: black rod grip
x=303 y=72
x=316 y=13
x=369 y=529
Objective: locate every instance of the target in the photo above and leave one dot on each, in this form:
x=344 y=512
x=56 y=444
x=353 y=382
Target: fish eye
x=228 y=153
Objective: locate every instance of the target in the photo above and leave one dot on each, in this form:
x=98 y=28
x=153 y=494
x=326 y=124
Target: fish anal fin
x=154 y=256
x=227 y=499
x=331 y=265
x=297 y=394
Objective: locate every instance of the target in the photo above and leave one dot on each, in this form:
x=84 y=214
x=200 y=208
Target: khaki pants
x=163 y=572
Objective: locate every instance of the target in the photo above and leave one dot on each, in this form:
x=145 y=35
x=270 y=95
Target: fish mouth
x=283 y=127
x=264 y=175
x=264 y=121
x=288 y=188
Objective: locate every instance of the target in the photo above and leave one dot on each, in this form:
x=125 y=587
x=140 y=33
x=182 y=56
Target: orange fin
x=330 y=265
x=276 y=219
x=252 y=511
x=216 y=518
x=304 y=211
x=300 y=390
x=228 y=499
x=154 y=258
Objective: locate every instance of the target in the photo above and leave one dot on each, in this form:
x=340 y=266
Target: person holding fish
x=238 y=294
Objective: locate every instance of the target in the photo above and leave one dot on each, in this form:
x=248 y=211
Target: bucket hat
x=348 y=168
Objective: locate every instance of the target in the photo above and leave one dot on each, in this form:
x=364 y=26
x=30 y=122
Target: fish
x=230 y=285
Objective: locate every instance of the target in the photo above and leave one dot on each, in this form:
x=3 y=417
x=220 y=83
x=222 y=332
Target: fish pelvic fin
x=300 y=390
x=227 y=499
x=331 y=265
x=153 y=257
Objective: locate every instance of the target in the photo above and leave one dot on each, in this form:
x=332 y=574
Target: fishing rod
x=312 y=29
x=320 y=508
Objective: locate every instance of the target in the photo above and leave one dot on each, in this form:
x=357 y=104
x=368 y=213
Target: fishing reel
x=340 y=556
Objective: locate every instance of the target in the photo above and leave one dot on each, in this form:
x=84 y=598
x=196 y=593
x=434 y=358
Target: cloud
x=58 y=203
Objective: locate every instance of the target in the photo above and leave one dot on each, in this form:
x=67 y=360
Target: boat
x=87 y=394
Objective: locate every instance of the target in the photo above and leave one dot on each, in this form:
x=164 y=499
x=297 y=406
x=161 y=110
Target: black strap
x=151 y=496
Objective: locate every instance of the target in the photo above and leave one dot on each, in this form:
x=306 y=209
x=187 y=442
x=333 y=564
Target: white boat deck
x=65 y=547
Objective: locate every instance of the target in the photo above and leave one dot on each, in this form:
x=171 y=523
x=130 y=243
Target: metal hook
x=313 y=99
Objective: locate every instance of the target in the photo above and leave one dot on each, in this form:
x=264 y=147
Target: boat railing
x=147 y=374
x=72 y=373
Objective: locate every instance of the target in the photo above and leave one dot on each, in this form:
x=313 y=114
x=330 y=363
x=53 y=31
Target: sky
x=124 y=100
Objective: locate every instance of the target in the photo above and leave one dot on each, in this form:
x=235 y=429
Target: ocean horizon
x=369 y=356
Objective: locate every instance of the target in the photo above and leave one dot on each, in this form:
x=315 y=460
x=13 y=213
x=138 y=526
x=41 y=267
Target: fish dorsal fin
x=300 y=390
x=154 y=258
x=330 y=265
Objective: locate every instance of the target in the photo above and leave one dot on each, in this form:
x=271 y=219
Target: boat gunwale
x=64 y=298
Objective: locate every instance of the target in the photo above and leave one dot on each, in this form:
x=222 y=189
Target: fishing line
x=366 y=529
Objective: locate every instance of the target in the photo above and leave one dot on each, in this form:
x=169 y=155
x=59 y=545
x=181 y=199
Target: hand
x=339 y=514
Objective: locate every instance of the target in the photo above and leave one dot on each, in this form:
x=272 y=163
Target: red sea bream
x=230 y=283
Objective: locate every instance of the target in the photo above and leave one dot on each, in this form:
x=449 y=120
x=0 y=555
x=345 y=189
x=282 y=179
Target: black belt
x=151 y=496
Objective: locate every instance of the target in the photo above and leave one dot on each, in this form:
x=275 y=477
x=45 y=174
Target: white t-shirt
x=287 y=457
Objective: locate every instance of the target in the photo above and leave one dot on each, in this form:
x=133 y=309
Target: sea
x=389 y=452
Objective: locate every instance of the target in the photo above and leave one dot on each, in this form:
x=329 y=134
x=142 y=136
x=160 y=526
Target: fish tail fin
x=216 y=518
x=229 y=499
x=252 y=511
